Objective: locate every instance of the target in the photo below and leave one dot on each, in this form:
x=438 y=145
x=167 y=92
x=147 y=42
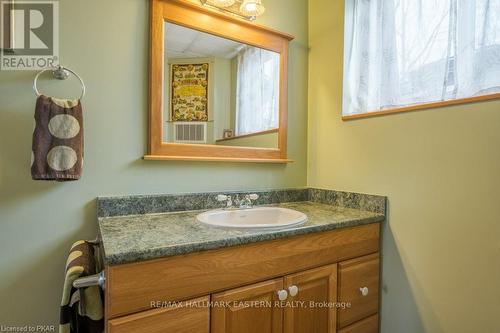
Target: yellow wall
x=106 y=43
x=441 y=171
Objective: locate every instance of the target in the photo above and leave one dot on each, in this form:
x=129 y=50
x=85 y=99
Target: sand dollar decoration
x=62 y=158
x=64 y=126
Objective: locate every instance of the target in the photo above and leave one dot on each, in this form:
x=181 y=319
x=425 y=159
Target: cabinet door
x=312 y=309
x=358 y=285
x=249 y=309
x=188 y=317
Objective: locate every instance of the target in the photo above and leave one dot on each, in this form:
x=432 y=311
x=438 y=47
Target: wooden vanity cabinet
x=315 y=271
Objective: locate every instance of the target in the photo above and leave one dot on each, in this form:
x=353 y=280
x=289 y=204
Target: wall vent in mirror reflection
x=219 y=91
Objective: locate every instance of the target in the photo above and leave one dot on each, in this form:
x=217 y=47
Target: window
x=400 y=53
x=257 y=90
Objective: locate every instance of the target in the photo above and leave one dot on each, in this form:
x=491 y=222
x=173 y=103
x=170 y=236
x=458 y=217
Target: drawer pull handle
x=294 y=290
x=364 y=291
x=282 y=295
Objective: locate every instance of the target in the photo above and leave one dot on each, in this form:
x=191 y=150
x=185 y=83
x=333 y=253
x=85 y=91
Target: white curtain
x=404 y=52
x=257 y=90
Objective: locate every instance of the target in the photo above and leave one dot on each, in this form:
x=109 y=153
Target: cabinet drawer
x=368 y=325
x=354 y=275
x=188 y=318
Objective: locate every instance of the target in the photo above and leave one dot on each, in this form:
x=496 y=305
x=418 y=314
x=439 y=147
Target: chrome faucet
x=227 y=198
x=245 y=203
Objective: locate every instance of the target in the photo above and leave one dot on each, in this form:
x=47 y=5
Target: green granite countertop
x=133 y=238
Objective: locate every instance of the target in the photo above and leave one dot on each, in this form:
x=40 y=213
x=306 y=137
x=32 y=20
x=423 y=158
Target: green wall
x=441 y=171
x=106 y=42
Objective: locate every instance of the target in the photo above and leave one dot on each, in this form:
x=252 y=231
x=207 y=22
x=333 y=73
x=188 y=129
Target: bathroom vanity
x=167 y=272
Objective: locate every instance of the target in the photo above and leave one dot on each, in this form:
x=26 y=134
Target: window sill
x=424 y=106
x=274 y=130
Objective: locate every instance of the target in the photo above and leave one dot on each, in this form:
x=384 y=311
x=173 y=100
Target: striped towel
x=81 y=309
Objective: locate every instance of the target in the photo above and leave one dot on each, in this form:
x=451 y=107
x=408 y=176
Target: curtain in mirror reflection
x=257 y=107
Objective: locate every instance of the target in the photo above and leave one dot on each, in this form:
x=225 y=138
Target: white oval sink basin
x=268 y=218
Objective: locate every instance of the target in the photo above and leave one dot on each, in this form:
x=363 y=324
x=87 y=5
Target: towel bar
x=92 y=280
x=95 y=241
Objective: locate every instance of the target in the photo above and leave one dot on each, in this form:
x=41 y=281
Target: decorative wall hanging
x=189 y=84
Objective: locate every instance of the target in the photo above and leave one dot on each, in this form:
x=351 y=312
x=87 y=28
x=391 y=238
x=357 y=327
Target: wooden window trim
x=424 y=106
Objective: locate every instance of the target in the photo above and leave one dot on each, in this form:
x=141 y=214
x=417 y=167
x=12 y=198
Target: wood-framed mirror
x=218 y=86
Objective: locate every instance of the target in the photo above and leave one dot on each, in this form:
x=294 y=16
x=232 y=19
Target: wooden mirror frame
x=196 y=17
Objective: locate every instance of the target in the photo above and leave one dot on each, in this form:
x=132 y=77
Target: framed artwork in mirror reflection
x=189 y=84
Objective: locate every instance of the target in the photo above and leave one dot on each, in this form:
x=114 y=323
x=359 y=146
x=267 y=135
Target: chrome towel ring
x=60 y=73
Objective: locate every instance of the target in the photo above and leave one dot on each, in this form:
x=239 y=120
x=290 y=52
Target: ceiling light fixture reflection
x=252 y=8
x=247 y=9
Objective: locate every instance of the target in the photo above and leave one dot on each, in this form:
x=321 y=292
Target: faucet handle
x=222 y=197
x=253 y=196
x=226 y=198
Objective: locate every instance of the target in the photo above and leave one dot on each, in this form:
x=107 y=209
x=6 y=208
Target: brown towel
x=81 y=309
x=57 y=140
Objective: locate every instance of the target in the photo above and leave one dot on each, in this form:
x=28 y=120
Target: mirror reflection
x=218 y=91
